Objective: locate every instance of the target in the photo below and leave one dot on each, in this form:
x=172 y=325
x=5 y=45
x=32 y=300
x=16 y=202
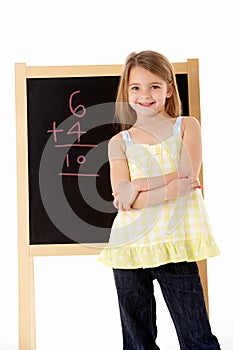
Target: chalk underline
x=77 y=174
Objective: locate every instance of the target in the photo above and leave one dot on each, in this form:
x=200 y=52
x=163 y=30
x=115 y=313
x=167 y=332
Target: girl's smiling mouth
x=146 y=104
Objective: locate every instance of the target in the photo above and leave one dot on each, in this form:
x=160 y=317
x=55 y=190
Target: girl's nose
x=145 y=93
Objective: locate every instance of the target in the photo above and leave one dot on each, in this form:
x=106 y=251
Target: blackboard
x=70 y=121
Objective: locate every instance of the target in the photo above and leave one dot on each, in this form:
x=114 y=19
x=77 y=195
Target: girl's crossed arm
x=123 y=190
x=128 y=194
x=178 y=183
x=145 y=192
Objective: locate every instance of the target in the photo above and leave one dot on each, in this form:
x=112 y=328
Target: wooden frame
x=27 y=252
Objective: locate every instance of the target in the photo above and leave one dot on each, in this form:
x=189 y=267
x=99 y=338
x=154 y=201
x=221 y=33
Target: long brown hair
x=157 y=64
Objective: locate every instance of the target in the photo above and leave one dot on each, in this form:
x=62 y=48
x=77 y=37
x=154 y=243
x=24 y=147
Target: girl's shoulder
x=117 y=142
x=190 y=119
x=190 y=123
x=116 y=136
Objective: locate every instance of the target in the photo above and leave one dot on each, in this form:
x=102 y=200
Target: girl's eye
x=154 y=87
x=134 y=88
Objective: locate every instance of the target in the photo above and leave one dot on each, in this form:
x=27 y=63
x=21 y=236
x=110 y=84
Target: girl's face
x=147 y=92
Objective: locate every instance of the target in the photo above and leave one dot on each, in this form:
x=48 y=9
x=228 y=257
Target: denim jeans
x=182 y=291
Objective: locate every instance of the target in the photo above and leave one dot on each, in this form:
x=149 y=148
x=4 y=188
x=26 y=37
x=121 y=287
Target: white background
x=75 y=297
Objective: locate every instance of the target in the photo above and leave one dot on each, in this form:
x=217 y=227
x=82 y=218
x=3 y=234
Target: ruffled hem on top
x=146 y=256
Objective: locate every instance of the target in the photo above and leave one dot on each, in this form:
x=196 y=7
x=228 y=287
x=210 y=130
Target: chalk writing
x=74 y=110
x=81 y=159
x=55 y=131
x=77 y=174
x=79 y=111
x=78 y=131
x=67 y=160
x=76 y=145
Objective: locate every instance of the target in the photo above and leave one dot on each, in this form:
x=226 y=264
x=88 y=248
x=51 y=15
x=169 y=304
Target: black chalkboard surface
x=70 y=121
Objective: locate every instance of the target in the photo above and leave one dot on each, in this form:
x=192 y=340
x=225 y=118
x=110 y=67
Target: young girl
x=161 y=228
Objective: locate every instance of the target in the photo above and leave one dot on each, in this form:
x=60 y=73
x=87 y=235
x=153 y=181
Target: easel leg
x=202 y=265
x=33 y=313
x=27 y=329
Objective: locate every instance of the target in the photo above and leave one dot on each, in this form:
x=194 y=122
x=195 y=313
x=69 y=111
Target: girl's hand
x=124 y=195
x=181 y=186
